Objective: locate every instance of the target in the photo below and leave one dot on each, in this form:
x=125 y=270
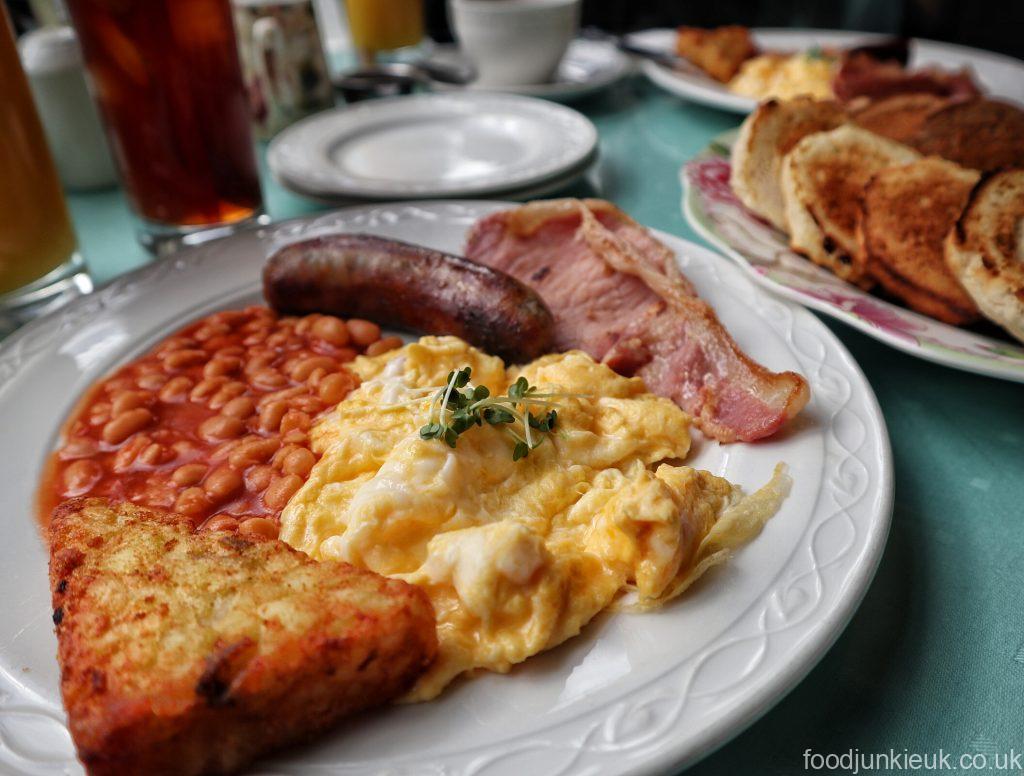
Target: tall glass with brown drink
x=168 y=81
x=39 y=262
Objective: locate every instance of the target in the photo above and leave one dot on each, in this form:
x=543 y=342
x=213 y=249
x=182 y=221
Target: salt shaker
x=53 y=64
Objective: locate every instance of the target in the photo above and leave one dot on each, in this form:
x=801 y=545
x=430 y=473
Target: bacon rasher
x=617 y=293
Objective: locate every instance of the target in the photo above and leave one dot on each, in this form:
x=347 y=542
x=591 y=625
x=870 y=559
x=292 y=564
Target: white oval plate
x=763 y=252
x=587 y=67
x=432 y=145
x=632 y=693
x=999 y=76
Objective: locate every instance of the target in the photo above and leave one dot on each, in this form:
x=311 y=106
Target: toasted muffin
x=899 y=117
x=719 y=52
x=985 y=250
x=979 y=134
x=186 y=653
x=823 y=180
x=906 y=213
x=766 y=136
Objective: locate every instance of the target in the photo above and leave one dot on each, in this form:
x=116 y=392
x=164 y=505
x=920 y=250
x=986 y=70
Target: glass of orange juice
x=40 y=266
x=384 y=25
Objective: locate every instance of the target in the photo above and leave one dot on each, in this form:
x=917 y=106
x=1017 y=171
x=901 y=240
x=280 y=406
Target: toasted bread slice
x=188 y=653
x=906 y=213
x=979 y=134
x=766 y=136
x=719 y=52
x=985 y=250
x=899 y=117
x=823 y=180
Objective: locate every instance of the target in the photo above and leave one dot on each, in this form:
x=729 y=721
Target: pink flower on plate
x=710 y=176
x=878 y=315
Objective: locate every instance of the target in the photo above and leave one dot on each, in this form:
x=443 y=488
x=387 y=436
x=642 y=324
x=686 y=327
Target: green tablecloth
x=934 y=658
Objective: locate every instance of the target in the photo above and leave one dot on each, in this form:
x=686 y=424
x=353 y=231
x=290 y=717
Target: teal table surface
x=934 y=658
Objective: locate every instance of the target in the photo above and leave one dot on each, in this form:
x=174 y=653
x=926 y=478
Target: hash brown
x=719 y=52
x=195 y=653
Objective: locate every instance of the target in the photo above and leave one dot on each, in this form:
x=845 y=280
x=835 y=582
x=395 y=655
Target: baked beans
x=214 y=421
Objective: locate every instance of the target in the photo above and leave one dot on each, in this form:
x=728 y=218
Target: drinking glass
x=384 y=25
x=40 y=266
x=168 y=81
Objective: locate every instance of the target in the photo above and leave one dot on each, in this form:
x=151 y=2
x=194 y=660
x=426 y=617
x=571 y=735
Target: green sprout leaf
x=457 y=407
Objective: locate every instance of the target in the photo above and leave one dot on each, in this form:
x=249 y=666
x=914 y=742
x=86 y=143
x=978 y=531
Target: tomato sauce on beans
x=214 y=422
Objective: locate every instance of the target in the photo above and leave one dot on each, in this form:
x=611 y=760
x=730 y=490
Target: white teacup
x=514 y=42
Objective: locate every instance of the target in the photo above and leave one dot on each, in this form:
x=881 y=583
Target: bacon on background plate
x=862 y=75
x=617 y=293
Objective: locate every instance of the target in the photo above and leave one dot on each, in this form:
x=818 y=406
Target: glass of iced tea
x=168 y=81
x=39 y=262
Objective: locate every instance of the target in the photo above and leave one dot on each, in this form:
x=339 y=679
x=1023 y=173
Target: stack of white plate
x=425 y=146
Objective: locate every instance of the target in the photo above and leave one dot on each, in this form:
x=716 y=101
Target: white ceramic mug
x=514 y=42
x=282 y=62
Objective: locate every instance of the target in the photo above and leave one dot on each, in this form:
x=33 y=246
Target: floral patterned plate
x=715 y=213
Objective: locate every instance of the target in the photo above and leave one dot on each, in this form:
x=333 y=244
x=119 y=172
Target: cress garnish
x=458 y=407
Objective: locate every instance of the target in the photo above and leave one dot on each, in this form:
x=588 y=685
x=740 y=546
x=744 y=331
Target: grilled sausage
x=409 y=287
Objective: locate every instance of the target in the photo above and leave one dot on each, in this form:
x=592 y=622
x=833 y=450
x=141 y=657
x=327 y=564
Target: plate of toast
x=903 y=217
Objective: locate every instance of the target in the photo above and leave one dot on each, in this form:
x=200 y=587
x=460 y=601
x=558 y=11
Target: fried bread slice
x=719 y=52
x=906 y=213
x=823 y=180
x=980 y=134
x=188 y=653
x=899 y=117
x=985 y=250
x=766 y=136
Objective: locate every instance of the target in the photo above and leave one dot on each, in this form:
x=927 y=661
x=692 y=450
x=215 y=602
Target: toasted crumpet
x=985 y=250
x=979 y=134
x=899 y=117
x=766 y=136
x=906 y=213
x=823 y=180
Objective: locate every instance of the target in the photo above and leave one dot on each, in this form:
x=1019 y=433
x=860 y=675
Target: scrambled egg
x=516 y=556
x=785 y=77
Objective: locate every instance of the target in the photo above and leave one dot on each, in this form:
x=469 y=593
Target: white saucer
x=432 y=145
x=543 y=189
x=587 y=67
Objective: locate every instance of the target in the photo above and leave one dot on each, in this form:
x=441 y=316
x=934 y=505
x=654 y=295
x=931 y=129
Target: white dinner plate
x=587 y=67
x=432 y=145
x=999 y=76
x=763 y=252
x=634 y=693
